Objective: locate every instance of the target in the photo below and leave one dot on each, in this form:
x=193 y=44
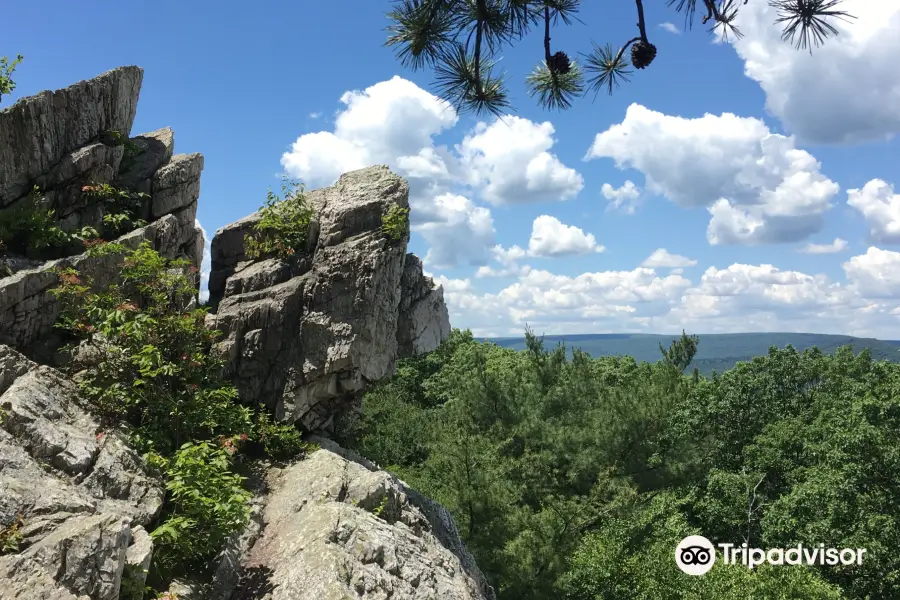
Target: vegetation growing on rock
x=395 y=223
x=283 y=227
x=140 y=351
x=7 y=85
x=31 y=227
x=576 y=477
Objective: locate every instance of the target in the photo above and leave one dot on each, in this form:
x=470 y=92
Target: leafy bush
x=7 y=85
x=206 y=503
x=280 y=440
x=122 y=207
x=395 y=223
x=140 y=351
x=133 y=586
x=30 y=228
x=147 y=351
x=283 y=228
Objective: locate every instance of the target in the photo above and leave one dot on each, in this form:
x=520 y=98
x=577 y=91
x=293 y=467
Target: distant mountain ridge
x=716 y=352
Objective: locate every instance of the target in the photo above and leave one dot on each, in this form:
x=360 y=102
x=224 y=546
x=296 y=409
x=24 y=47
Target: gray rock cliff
x=337 y=527
x=62 y=141
x=301 y=338
x=77 y=494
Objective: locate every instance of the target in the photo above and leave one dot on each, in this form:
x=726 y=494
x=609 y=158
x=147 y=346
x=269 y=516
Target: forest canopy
x=576 y=477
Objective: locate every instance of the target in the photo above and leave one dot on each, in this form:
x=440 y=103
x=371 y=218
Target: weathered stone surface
x=51 y=140
x=176 y=184
x=37 y=132
x=152 y=150
x=138 y=557
x=78 y=490
x=424 y=320
x=338 y=528
x=308 y=337
x=27 y=308
x=91 y=164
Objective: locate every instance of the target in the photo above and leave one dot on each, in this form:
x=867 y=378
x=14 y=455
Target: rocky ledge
x=306 y=338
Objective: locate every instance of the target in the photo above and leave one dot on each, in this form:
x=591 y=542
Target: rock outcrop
x=336 y=527
x=305 y=338
x=64 y=140
x=76 y=504
x=75 y=496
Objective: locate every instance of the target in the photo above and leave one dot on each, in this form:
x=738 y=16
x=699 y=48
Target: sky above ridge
x=730 y=187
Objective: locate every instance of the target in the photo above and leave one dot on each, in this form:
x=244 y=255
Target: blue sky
x=740 y=156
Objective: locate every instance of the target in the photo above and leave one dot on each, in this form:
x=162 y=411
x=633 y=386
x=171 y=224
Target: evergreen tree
x=460 y=40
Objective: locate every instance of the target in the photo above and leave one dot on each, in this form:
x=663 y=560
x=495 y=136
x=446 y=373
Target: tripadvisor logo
x=696 y=555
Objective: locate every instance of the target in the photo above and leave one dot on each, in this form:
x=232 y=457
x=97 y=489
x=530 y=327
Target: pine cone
x=642 y=54
x=559 y=63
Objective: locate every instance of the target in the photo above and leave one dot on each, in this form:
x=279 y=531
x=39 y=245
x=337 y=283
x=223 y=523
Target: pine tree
x=460 y=40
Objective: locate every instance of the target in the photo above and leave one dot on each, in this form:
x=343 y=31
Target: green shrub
x=7 y=85
x=122 y=207
x=283 y=228
x=11 y=536
x=30 y=228
x=140 y=351
x=133 y=586
x=281 y=441
x=151 y=369
x=395 y=223
x=206 y=503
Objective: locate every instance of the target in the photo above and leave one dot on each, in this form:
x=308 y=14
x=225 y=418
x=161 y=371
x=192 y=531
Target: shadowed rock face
x=307 y=337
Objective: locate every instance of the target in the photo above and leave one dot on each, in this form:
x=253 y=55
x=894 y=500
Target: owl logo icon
x=695 y=555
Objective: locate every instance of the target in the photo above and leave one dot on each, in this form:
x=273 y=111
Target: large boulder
x=336 y=527
x=74 y=494
x=307 y=337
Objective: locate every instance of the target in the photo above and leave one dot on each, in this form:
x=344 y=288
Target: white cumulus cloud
x=847 y=90
x=880 y=207
x=837 y=245
x=757 y=185
x=552 y=238
x=670 y=27
x=875 y=274
x=458 y=230
x=509 y=161
x=737 y=298
x=624 y=197
x=662 y=258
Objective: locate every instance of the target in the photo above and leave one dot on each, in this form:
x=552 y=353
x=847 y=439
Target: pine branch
x=432 y=32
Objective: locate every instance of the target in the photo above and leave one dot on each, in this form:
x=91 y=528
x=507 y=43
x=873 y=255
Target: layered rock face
x=305 y=338
x=76 y=496
x=76 y=504
x=64 y=140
